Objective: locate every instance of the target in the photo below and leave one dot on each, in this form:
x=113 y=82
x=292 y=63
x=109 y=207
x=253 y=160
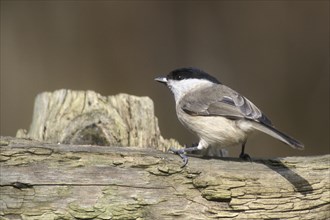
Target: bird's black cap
x=191 y=73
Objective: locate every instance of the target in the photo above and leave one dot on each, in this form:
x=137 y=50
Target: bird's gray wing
x=220 y=100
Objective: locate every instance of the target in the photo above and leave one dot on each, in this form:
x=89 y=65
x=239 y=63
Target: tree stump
x=86 y=117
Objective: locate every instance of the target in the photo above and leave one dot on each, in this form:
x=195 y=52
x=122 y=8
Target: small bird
x=217 y=114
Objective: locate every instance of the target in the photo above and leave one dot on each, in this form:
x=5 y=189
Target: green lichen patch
x=83 y=212
x=40 y=151
x=145 y=162
x=164 y=170
x=216 y=194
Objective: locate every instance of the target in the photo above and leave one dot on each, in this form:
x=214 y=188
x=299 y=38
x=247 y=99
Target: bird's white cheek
x=177 y=92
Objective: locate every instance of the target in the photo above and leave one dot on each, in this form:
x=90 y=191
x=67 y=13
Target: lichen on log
x=88 y=156
x=56 y=181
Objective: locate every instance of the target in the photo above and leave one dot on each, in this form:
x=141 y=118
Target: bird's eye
x=178 y=77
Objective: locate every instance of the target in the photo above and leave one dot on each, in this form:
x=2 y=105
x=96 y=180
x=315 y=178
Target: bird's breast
x=215 y=130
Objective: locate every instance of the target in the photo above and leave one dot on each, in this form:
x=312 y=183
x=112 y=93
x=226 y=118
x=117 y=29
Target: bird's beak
x=161 y=79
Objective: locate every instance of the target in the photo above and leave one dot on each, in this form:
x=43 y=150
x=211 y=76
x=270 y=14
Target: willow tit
x=217 y=114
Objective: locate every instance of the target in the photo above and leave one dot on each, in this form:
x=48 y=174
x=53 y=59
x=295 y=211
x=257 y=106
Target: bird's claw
x=181 y=153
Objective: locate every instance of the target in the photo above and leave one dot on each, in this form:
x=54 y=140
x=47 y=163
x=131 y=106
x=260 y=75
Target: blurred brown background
x=274 y=52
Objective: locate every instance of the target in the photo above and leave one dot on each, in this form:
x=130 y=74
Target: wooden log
x=81 y=165
x=56 y=181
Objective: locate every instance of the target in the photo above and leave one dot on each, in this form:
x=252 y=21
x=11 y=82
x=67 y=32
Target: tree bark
x=55 y=181
x=65 y=173
x=86 y=117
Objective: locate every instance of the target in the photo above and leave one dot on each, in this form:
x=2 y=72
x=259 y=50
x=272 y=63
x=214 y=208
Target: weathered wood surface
x=86 y=117
x=56 y=181
x=66 y=174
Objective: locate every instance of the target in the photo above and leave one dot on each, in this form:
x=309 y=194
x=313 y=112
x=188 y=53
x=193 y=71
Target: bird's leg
x=182 y=153
x=243 y=155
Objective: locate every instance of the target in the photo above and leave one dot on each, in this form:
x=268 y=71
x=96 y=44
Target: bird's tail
x=270 y=130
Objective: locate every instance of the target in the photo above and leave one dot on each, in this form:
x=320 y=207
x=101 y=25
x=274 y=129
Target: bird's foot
x=181 y=153
x=245 y=157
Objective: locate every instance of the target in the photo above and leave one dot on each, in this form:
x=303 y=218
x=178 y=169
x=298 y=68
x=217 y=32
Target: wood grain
x=56 y=181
